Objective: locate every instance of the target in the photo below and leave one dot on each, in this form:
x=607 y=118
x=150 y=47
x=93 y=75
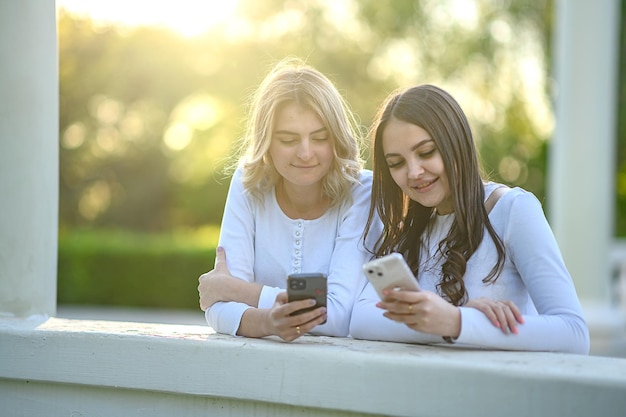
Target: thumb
x=281 y=298
x=220 y=259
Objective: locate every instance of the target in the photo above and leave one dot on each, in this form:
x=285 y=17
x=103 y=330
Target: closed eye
x=395 y=164
x=287 y=141
x=427 y=154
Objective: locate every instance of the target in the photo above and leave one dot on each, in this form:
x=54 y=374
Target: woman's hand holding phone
x=289 y=326
x=406 y=303
x=390 y=272
x=426 y=311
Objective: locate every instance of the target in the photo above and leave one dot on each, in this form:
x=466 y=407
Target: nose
x=304 y=150
x=415 y=169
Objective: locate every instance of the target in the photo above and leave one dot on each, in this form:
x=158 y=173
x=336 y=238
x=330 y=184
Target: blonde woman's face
x=416 y=165
x=301 y=146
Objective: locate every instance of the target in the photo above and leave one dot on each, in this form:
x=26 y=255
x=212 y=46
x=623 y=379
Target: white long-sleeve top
x=534 y=277
x=263 y=245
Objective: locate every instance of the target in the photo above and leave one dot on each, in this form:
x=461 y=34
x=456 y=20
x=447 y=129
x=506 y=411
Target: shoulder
x=236 y=180
x=362 y=187
x=514 y=201
x=239 y=191
x=360 y=193
x=236 y=176
x=509 y=194
x=364 y=181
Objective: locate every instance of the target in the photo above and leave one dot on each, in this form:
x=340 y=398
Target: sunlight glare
x=187 y=17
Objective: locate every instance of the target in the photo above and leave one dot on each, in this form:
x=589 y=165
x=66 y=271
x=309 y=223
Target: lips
x=423 y=184
x=304 y=167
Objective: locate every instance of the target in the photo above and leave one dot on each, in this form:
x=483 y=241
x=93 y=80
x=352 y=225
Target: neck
x=306 y=203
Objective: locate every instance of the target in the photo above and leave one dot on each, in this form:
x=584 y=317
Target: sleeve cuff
x=225 y=317
x=268 y=296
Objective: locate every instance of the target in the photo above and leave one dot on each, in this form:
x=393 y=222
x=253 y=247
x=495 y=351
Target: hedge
x=122 y=269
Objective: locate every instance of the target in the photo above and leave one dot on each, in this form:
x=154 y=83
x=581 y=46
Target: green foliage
x=127 y=269
x=148 y=118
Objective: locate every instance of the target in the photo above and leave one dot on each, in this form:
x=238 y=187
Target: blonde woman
x=298 y=202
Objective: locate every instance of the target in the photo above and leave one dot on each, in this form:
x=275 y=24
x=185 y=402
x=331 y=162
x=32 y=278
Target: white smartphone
x=390 y=271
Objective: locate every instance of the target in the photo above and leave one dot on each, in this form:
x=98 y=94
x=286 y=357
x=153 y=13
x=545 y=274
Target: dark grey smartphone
x=305 y=286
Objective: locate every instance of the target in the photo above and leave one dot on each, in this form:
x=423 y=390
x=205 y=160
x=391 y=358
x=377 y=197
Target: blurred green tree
x=148 y=117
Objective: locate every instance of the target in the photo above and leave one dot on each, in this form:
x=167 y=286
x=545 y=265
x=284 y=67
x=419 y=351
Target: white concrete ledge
x=119 y=368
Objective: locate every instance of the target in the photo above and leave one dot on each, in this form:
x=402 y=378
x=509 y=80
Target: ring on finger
x=410 y=307
x=298 y=329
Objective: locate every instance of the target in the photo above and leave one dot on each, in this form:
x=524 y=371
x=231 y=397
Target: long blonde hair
x=292 y=81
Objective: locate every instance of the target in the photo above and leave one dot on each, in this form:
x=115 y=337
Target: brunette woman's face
x=301 y=147
x=416 y=165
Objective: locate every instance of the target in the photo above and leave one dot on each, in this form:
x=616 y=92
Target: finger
x=408 y=319
x=395 y=307
x=490 y=313
x=203 y=304
x=220 y=259
x=516 y=312
x=514 y=316
x=511 y=322
x=406 y=296
x=298 y=305
x=292 y=327
x=281 y=298
x=307 y=326
x=502 y=318
x=294 y=332
x=307 y=320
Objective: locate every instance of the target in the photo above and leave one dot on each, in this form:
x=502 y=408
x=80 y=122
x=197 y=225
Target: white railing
x=60 y=367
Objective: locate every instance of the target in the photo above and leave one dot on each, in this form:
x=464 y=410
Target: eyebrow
x=425 y=141
x=288 y=132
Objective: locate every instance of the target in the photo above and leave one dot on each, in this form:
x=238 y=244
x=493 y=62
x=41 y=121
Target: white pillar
x=582 y=167
x=29 y=114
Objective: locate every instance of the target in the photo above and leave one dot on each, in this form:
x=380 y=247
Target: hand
x=422 y=311
x=503 y=314
x=289 y=327
x=217 y=285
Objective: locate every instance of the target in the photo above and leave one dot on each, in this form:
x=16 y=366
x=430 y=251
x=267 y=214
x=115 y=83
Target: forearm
x=234 y=289
x=369 y=323
x=557 y=333
x=219 y=286
x=255 y=323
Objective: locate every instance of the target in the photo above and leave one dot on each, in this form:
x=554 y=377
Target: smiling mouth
x=424 y=184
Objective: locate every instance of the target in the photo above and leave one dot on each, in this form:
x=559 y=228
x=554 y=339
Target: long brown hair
x=404 y=220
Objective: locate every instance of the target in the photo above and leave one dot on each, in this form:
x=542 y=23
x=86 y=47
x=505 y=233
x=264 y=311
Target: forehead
x=295 y=117
x=399 y=135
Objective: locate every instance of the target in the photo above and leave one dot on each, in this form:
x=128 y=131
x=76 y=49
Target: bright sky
x=187 y=17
